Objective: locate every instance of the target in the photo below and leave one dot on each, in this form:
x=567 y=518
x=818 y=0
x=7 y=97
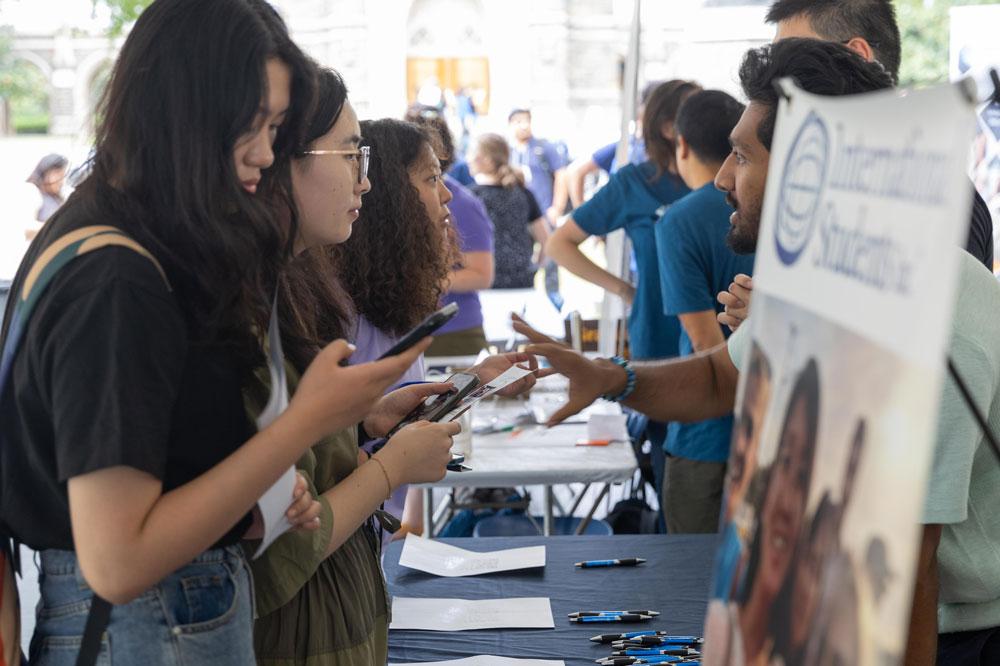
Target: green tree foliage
x=23 y=91
x=123 y=13
x=925 y=29
x=12 y=81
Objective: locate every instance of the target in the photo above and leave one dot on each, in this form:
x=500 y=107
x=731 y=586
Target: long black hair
x=313 y=306
x=189 y=82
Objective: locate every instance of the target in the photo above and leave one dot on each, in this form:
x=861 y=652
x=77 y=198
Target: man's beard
x=742 y=237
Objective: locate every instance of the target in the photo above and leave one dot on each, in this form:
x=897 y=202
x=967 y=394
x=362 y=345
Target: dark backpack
x=632 y=516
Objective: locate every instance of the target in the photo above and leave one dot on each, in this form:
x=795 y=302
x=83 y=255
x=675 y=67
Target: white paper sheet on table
x=513 y=374
x=465 y=614
x=442 y=559
x=608 y=426
x=275 y=502
x=486 y=660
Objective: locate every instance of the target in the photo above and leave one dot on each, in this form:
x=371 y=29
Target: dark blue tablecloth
x=674 y=581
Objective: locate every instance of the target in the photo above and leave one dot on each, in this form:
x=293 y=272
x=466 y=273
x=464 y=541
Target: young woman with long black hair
x=128 y=458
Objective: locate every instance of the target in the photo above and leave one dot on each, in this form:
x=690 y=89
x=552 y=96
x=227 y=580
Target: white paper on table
x=442 y=559
x=464 y=614
x=487 y=660
x=513 y=374
x=608 y=426
x=275 y=502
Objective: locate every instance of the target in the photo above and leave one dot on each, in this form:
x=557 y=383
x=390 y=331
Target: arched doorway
x=446 y=64
x=26 y=98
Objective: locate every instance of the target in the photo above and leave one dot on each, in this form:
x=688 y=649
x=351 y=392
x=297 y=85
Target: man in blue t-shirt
x=695 y=265
x=543 y=164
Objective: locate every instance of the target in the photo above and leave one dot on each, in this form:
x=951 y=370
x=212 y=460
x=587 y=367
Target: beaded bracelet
x=385 y=474
x=629 y=380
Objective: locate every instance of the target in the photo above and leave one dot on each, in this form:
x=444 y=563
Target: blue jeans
x=200 y=614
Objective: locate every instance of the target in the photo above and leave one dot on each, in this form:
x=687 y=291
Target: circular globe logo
x=801 y=189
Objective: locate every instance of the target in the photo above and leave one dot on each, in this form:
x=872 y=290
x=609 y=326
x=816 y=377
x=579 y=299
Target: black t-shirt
x=106 y=375
x=512 y=210
x=980 y=241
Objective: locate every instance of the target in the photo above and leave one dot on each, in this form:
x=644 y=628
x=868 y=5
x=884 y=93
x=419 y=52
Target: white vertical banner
x=616 y=246
x=865 y=208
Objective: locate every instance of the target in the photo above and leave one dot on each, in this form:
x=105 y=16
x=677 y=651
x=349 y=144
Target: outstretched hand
x=588 y=380
x=494 y=366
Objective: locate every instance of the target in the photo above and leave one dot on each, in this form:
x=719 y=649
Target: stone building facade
x=562 y=58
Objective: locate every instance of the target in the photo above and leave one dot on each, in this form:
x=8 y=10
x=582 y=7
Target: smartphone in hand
x=436 y=406
x=423 y=329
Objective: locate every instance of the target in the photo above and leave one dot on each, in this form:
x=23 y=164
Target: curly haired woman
x=397 y=261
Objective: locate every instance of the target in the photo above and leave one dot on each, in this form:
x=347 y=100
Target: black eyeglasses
x=363 y=154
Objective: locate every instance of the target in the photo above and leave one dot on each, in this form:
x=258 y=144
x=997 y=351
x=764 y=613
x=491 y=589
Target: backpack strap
x=63 y=250
x=54 y=258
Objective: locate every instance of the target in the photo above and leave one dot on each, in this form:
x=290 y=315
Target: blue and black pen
x=650 y=613
x=654 y=652
x=624 y=562
x=623 y=617
x=662 y=635
x=652 y=641
x=628 y=661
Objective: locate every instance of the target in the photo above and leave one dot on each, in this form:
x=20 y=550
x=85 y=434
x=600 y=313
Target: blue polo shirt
x=540 y=159
x=632 y=201
x=695 y=265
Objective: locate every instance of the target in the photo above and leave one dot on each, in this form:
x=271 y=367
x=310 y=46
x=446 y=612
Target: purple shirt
x=372 y=343
x=475 y=234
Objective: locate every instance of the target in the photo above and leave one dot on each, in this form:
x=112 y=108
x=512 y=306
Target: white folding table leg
x=547 y=516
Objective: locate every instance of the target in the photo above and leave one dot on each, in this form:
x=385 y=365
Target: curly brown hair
x=396 y=260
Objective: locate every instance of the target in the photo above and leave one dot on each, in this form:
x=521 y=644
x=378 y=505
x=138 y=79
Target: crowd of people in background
x=263 y=204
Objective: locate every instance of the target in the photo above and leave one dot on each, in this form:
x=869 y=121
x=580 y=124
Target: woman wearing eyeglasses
x=321 y=598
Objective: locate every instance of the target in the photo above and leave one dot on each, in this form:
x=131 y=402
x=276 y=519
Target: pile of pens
x=650 y=647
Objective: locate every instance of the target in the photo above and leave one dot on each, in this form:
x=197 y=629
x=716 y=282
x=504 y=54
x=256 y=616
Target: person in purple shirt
x=396 y=263
x=463 y=335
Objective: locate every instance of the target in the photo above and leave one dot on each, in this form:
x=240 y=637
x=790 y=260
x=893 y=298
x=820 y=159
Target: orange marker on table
x=593 y=442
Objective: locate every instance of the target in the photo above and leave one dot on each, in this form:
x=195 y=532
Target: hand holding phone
x=423 y=329
x=436 y=406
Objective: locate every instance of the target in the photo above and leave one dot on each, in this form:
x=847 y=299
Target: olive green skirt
x=338 y=618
